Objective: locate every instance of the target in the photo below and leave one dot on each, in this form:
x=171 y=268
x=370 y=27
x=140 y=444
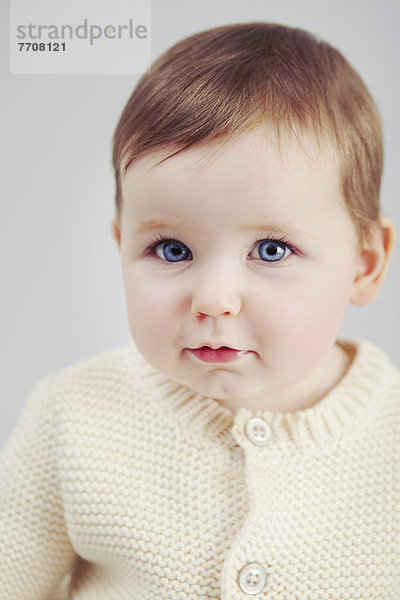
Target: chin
x=220 y=391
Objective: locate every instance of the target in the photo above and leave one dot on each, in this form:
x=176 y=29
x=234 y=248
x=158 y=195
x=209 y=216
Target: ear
x=372 y=263
x=116 y=230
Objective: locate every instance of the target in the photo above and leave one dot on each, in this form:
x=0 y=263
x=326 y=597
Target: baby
x=236 y=447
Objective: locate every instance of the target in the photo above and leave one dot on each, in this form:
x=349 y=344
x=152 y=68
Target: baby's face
x=247 y=247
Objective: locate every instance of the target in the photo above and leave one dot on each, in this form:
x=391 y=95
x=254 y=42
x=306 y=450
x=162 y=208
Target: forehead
x=261 y=146
x=255 y=175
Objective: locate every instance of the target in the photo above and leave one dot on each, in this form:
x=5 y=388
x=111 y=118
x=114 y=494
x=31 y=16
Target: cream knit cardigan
x=146 y=490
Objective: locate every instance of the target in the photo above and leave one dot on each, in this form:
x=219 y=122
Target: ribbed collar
x=354 y=399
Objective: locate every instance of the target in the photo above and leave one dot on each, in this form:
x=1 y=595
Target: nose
x=216 y=297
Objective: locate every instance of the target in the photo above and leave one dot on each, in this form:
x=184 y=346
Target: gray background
x=61 y=293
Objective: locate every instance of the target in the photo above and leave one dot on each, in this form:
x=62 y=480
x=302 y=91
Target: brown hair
x=217 y=83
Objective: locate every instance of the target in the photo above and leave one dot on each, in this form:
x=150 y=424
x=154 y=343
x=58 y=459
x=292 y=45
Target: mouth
x=223 y=354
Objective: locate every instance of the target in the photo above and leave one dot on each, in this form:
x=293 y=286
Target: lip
x=223 y=354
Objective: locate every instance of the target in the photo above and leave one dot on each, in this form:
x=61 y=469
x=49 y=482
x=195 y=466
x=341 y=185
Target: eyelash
x=150 y=250
x=282 y=240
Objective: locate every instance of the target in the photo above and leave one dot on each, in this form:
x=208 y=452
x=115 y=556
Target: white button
x=258 y=431
x=252 y=578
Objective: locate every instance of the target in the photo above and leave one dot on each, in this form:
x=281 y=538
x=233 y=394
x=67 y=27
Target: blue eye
x=172 y=251
x=272 y=250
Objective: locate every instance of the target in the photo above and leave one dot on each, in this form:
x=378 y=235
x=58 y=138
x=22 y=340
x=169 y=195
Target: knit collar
x=353 y=400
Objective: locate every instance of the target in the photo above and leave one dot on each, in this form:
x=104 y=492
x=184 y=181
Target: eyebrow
x=279 y=227
x=170 y=223
x=157 y=224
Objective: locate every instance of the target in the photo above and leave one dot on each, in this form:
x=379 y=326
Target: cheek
x=152 y=309
x=309 y=310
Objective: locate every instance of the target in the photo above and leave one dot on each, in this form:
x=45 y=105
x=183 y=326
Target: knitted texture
x=138 y=488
